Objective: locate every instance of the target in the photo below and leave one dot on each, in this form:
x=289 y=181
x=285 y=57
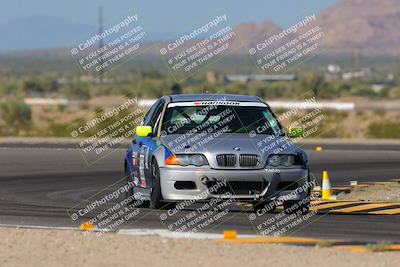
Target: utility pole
x=356 y=59
x=101 y=43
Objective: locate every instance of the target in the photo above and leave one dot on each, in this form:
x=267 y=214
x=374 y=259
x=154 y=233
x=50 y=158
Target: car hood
x=209 y=145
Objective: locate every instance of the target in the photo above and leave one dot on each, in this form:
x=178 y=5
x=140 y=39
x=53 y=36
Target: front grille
x=245 y=160
x=226 y=160
x=249 y=160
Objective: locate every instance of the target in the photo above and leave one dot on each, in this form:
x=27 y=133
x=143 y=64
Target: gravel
x=32 y=247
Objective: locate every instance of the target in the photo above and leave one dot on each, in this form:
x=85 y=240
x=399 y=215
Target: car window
x=237 y=119
x=157 y=124
x=149 y=114
x=156 y=115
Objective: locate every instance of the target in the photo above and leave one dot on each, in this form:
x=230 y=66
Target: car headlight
x=186 y=160
x=284 y=160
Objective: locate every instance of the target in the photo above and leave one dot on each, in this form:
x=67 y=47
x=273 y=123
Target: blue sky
x=163 y=19
x=167 y=12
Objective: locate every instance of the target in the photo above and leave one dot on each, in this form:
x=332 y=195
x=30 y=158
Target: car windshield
x=226 y=118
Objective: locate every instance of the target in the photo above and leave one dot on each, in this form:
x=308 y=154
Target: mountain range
x=366 y=25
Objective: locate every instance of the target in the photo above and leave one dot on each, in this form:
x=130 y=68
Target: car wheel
x=264 y=207
x=155 y=197
x=303 y=205
x=129 y=194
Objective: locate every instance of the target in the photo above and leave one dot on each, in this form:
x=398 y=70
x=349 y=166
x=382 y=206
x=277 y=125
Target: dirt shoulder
x=28 y=247
x=388 y=192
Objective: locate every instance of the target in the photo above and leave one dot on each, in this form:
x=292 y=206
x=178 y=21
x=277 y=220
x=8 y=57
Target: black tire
x=303 y=205
x=168 y=205
x=135 y=202
x=266 y=207
x=155 y=196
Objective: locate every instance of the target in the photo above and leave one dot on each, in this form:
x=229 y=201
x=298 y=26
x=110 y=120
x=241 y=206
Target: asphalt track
x=39 y=184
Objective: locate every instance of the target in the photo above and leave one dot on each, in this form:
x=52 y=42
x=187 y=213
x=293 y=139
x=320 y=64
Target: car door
x=136 y=149
x=147 y=145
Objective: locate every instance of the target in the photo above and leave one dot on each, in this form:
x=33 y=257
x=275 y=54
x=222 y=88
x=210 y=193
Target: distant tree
x=152 y=74
x=80 y=90
x=316 y=81
x=32 y=85
x=176 y=89
x=52 y=86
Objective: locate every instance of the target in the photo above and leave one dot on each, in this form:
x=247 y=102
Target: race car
x=196 y=147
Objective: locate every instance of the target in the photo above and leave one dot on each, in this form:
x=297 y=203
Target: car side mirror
x=296 y=132
x=144 y=131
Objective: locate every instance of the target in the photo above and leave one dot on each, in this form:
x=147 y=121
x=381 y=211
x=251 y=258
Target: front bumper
x=272 y=179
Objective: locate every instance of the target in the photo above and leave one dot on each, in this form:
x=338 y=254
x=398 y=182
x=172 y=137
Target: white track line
x=177 y=235
x=135 y=232
x=37 y=226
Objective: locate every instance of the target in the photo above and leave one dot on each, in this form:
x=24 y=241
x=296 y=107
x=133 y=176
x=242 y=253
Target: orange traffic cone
x=326 y=186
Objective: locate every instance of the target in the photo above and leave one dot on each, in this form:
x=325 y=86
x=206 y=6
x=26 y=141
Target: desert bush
x=16 y=117
x=384 y=129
